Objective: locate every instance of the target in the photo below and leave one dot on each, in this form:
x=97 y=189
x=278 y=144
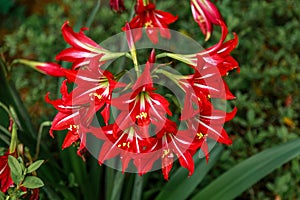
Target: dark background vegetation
x=267 y=88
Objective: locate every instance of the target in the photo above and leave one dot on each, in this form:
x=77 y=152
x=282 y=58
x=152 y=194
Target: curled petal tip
x=152 y=56
x=208 y=34
x=51 y=133
x=66 y=23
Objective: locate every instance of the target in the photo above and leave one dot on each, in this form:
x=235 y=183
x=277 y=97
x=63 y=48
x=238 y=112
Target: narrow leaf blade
x=244 y=175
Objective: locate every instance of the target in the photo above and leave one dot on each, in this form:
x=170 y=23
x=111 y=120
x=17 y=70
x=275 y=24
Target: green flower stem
x=162 y=55
x=39 y=137
x=132 y=49
x=93 y=14
x=188 y=59
x=110 y=56
x=128 y=55
x=145 y=2
x=173 y=77
x=135 y=61
x=29 y=63
x=14 y=138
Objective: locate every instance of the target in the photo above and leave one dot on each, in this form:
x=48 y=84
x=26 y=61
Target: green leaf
x=109 y=181
x=15 y=169
x=20 y=194
x=32 y=182
x=118 y=185
x=244 y=175
x=138 y=188
x=51 y=194
x=10 y=96
x=93 y=14
x=2 y=196
x=67 y=193
x=34 y=166
x=181 y=186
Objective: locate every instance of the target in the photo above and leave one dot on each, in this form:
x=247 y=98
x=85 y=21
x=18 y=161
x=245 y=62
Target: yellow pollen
x=166 y=152
x=96 y=95
x=124 y=144
x=142 y=115
x=148 y=24
x=200 y=135
x=73 y=126
x=208 y=96
x=201 y=19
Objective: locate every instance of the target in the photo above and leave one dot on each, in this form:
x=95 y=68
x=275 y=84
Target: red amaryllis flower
x=5 y=178
x=219 y=54
x=209 y=82
x=143 y=105
x=48 y=68
x=167 y=145
x=205 y=13
x=208 y=122
x=174 y=143
x=203 y=120
x=127 y=143
x=94 y=87
x=78 y=108
x=153 y=20
x=70 y=118
x=117 y=5
x=82 y=49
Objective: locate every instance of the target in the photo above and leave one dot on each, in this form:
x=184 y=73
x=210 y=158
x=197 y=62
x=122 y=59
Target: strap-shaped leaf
x=244 y=175
x=180 y=186
x=10 y=96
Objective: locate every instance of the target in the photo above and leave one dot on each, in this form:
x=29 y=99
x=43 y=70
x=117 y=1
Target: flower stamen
x=96 y=95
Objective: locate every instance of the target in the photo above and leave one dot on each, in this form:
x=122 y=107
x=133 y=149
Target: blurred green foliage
x=267 y=88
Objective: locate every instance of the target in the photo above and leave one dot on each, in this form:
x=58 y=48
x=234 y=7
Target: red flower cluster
x=153 y=20
x=143 y=131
